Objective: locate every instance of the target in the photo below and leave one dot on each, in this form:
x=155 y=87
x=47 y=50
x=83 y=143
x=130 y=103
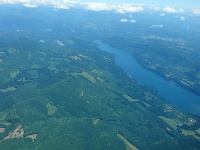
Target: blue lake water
x=171 y=92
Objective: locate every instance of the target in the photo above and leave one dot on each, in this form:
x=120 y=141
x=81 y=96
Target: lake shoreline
x=173 y=93
x=170 y=79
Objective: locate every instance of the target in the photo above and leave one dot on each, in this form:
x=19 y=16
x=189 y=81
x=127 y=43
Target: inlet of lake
x=176 y=95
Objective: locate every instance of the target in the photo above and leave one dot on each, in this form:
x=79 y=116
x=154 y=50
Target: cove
x=171 y=92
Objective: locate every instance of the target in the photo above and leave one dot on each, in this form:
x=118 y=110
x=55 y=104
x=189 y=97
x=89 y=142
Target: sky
x=118 y=6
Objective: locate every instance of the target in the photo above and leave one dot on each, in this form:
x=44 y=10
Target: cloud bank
x=65 y=4
x=118 y=8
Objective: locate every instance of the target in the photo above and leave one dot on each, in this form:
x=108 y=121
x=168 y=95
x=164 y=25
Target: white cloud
x=162 y=14
x=127 y=8
x=157 y=26
x=133 y=21
x=169 y=9
x=30 y=5
x=60 y=5
x=65 y=4
x=124 y=20
x=182 y=18
x=98 y=6
x=196 y=11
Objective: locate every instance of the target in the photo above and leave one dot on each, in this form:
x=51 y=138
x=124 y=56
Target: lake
x=171 y=92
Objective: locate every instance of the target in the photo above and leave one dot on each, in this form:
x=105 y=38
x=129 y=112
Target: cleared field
x=51 y=109
x=129 y=145
x=95 y=121
x=86 y=75
x=129 y=98
x=9 y=89
x=170 y=122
